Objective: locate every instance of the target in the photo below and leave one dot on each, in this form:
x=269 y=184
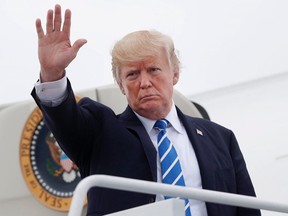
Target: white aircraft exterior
x=234 y=64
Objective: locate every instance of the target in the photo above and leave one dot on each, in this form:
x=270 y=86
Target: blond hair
x=139 y=45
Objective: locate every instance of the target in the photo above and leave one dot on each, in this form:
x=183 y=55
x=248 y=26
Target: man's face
x=148 y=86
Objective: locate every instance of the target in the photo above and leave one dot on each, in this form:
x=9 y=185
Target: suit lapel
x=198 y=136
x=133 y=124
x=202 y=146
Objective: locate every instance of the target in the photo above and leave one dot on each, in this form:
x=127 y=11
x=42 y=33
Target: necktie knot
x=161 y=124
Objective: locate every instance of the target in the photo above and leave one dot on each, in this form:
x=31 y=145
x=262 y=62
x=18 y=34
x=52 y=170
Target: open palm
x=55 y=51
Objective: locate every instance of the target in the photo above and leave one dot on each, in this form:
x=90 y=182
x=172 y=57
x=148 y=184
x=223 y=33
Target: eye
x=132 y=75
x=154 y=69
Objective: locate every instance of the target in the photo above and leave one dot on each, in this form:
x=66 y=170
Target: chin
x=154 y=109
x=150 y=105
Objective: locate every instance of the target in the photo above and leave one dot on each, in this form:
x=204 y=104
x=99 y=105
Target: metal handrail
x=148 y=187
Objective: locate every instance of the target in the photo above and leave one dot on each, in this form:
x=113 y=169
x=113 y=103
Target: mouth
x=148 y=97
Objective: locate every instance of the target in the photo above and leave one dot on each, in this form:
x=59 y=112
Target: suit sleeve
x=243 y=180
x=74 y=125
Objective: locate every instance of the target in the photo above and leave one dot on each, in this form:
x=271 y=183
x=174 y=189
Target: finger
x=67 y=22
x=78 y=44
x=49 y=22
x=39 y=28
x=57 y=18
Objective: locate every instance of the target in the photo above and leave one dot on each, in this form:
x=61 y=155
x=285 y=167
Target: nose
x=145 y=80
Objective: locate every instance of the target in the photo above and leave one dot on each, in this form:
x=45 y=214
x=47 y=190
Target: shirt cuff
x=52 y=93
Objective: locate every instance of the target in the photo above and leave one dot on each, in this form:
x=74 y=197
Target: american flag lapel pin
x=199 y=132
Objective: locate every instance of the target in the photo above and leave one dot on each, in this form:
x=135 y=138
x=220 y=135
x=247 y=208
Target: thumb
x=78 y=44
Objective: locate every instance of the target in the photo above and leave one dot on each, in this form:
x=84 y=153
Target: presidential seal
x=49 y=174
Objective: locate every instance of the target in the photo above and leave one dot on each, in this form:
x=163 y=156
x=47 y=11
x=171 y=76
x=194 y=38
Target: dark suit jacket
x=100 y=142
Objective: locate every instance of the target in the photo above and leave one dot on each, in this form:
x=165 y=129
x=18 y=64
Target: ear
x=175 y=76
x=121 y=88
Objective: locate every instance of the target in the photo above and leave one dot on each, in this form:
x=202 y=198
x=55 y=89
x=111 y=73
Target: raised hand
x=54 y=48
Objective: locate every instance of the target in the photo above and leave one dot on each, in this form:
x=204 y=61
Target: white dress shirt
x=189 y=164
x=53 y=93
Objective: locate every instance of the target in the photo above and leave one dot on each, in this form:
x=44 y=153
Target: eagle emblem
x=48 y=172
x=66 y=168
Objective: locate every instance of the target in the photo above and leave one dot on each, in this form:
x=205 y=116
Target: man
x=146 y=68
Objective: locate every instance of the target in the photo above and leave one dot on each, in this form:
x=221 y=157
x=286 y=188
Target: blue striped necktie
x=169 y=160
